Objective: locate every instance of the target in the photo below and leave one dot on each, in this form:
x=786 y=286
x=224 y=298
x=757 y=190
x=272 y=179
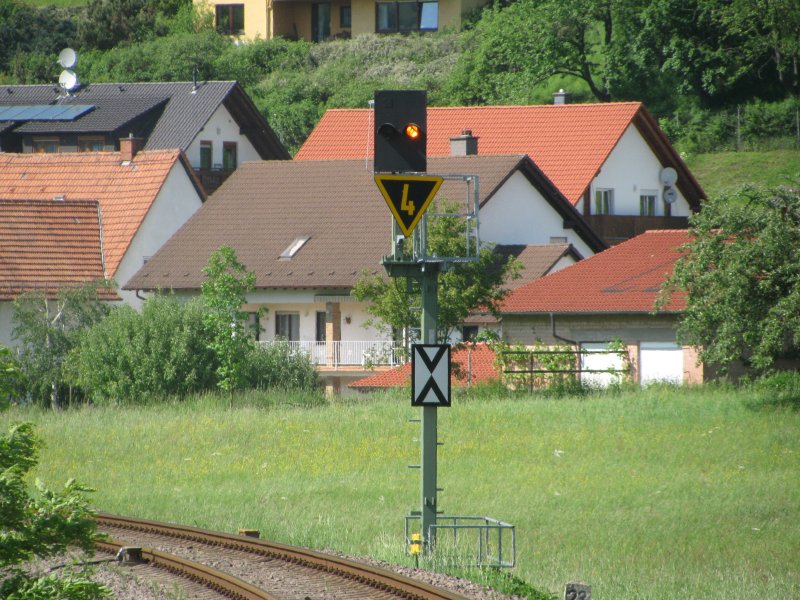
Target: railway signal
x=400 y=131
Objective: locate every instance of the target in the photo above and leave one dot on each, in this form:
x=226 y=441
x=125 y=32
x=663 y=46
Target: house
x=610 y=296
x=46 y=246
x=309 y=228
x=472 y=364
x=143 y=198
x=611 y=161
x=317 y=21
x=214 y=122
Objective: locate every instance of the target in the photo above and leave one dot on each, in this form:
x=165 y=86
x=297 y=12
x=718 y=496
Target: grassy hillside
x=659 y=494
x=724 y=171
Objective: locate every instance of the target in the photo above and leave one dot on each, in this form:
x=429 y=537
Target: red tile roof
x=475 y=360
x=47 y=245
x=569 y=143
x=626 y=278
x=125 y=191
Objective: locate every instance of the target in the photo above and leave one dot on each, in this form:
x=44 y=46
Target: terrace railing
x=370 y=353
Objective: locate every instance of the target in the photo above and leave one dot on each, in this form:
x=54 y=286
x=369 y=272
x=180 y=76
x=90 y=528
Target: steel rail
x=223 y=583
x=403 y=586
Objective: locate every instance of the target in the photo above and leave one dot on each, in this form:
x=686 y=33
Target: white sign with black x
x=430 y=375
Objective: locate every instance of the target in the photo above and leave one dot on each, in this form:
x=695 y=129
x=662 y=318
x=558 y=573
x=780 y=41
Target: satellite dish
x=68 y=80
x=670 y=195
x=668 y=176
x=68 y=58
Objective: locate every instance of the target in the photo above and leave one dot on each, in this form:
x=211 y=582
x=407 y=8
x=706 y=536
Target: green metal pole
x=430 y=315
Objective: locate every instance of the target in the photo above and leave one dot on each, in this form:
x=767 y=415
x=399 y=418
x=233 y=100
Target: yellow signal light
x=413 y=131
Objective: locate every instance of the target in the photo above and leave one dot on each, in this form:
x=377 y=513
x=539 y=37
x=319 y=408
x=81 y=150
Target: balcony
x=618 y=228
x=212 y=178
x=348 y=355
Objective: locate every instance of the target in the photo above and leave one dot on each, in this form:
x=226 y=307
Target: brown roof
x=47 y=245
x=536 y=259
x=626 y=278
x=125 y=191
x=264 y=207
x=568 y=142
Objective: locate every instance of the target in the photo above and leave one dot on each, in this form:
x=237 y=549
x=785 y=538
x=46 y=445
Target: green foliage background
x=692 y=62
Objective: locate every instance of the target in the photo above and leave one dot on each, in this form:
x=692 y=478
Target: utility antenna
x=68 y=80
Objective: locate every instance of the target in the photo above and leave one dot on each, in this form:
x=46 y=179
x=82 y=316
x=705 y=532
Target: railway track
x=276 y=571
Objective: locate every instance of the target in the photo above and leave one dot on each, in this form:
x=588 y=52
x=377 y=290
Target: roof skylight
x=294 y=247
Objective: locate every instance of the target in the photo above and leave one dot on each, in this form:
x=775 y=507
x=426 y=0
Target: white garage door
x=660 y=362
x=595 y=357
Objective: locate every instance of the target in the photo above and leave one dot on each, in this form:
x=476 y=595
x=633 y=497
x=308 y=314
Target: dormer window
x=294 y=248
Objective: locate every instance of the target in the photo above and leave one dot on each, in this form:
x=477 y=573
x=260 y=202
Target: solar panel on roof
x=44 y=112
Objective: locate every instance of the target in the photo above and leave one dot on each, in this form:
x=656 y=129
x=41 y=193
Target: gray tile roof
x=188 y=108
x=109 y=114
x=264 y=206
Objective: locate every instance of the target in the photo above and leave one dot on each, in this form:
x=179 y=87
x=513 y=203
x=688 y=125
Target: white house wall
x=350 y=332
x=176 y=202
x=6 y=313
x=630 y=170
x=221 y=127
x=519 y=214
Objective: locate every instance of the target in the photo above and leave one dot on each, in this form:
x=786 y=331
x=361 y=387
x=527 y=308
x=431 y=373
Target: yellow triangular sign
x=408 y=197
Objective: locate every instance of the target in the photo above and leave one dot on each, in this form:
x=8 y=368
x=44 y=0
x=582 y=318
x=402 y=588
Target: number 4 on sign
x=408 y=197
x=405 y=204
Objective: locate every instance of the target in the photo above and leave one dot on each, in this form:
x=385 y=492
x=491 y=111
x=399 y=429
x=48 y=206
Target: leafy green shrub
x=781 y=389
x=278 y=366
x=40 y=527
x=132 y=356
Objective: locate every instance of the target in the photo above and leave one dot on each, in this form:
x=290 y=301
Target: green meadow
x=662 y=493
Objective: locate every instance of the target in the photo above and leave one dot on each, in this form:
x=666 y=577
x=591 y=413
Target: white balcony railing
x=349 y=353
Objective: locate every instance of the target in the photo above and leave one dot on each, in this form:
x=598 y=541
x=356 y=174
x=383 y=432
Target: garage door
x=660 y=362
x=596 y=357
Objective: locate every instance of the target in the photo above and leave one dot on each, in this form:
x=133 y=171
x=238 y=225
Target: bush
x=278 y=366
x=40 y=527
x=132 y=356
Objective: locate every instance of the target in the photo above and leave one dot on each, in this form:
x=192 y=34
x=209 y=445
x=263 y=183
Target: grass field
x=725 y=171
x=657 y=494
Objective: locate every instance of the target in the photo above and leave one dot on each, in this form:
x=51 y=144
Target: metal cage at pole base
x=469 y=541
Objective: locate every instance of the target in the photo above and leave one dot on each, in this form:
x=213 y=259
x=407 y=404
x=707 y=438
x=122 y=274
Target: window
x=294 y=248
x=45 y=146
x=206 y=155
x=287 y=326
x=91 y=145
x=469 y=333
x=320 y=21
x=345 y=17
x=230 y=18
x=647 y=203
x=604 y=202
x=229 y=160
x=321 y=325
x=403 y=17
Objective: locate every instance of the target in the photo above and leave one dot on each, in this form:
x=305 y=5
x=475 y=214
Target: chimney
x=129 y=147
x=561 y=97
x=465 y=144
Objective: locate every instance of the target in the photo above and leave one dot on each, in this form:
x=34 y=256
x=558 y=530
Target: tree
x=40 y=527
x=224 y=290
x=518 y=47
x=10 y=376
x=395 y=302
x=48 y=328
x=741 y=277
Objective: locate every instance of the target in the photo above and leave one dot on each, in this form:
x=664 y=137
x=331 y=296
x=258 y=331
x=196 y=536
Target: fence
x=348 y=353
